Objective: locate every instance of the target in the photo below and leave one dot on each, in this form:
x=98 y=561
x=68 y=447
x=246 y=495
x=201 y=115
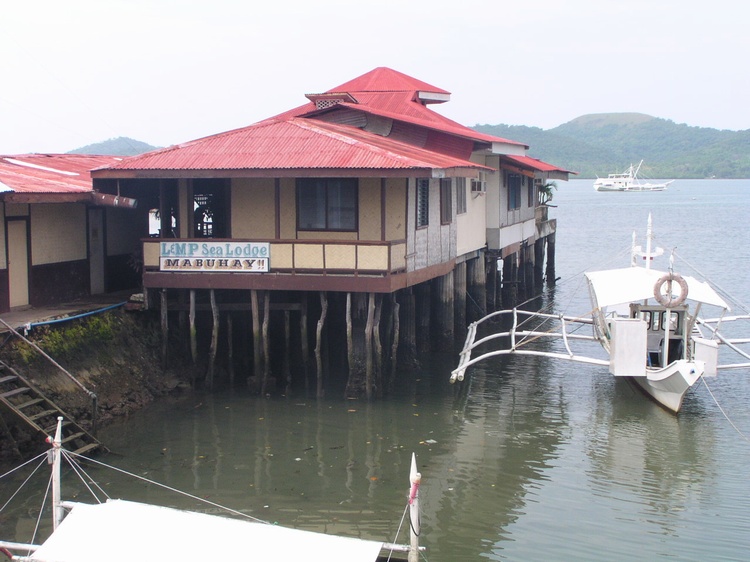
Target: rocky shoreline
x=116 y=354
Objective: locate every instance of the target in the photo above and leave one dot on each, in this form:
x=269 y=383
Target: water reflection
x=639 y=452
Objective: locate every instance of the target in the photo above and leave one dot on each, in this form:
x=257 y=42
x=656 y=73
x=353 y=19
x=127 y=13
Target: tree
x=546 y=192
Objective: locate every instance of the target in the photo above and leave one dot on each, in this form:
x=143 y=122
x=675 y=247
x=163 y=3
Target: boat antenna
x=649 y=235
x=55 y=459
x=415 y=479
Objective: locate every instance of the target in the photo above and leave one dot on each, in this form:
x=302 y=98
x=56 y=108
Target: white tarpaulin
x=633 y=284
x=119 y=531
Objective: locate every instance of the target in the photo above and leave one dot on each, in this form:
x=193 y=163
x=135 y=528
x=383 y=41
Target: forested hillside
x=121 y=146
x=598 y=144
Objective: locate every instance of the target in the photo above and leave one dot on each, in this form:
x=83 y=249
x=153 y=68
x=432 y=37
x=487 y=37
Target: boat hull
x=668 y=386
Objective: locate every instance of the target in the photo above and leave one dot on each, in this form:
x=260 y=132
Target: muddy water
x=527 y=460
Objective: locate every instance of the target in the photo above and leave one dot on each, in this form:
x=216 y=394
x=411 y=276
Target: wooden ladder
x=33 y=407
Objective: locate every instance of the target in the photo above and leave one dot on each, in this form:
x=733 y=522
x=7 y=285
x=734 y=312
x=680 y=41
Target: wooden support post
x=230 y=349
x=164 y=330
x=395 y=310
x=491 y=285
x=422 y=317
x=193 y=332
x=408 y=323
x=319 y=342
x=527 y=254
x=459 y=299
x=538 y=263
x=509 y=281
x=368 y=344
x=304 y=342
x=476 y=280
x=257 y=351
x=550 y=273
x=285 y=363
x=442 y=312
x=214 y=341
x=378 y=372
x=349 y=336
x=266 y=349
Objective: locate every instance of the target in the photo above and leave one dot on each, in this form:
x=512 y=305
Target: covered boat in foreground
x=650 y=323
x=118 y=530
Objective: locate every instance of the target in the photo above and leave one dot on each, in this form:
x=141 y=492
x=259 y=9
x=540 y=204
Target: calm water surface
x=527 y=460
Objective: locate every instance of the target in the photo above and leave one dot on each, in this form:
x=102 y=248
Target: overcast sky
x=76 y=72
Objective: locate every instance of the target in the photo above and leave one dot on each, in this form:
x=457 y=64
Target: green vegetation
x=600 y=144
x=65 y=342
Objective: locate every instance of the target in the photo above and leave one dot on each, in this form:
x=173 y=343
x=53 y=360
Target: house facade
x=61 y=241
x=363 y=196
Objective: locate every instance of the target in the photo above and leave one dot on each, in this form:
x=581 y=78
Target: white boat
x=648 y=322
x=628 y=181
x=118 y=530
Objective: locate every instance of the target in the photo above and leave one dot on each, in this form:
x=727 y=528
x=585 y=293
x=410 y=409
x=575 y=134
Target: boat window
x=674 y=322
x=647 y=317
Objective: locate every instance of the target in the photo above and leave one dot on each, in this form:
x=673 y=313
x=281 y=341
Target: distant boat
x=628 y=181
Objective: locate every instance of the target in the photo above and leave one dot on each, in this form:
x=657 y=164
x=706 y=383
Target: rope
x=39 y=517
x=10 y=499
x=722 y=411
x=398 y=531
x=78 y=469
x=44 y=454
x=171 y=489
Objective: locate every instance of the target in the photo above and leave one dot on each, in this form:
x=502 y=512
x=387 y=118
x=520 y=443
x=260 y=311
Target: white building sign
x=215 y=257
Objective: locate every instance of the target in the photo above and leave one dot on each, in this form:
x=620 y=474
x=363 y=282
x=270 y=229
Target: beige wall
x=471 y=226
x=369 y=209
x=288 y=215
x=395 y=209
x=253 y=208
x=254 y=211
x=58 y=233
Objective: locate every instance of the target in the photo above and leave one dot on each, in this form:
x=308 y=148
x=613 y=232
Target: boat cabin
x=671 y=325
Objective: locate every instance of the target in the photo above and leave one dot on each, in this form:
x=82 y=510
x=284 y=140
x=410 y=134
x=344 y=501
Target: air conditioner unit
x=479 y=185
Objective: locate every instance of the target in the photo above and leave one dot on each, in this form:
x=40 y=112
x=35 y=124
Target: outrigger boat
x=649 y=322
x=119 y=530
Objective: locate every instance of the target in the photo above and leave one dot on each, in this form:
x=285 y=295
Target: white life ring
x=665 y=297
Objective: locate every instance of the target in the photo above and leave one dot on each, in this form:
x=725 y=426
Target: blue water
x=529 y=459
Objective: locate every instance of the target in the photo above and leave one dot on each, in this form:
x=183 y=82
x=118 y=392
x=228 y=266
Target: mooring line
x=722 y=410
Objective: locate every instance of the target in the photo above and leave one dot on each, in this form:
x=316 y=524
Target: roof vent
x=329 y=99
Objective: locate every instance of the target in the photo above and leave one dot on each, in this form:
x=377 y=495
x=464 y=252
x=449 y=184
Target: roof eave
x=421 y=172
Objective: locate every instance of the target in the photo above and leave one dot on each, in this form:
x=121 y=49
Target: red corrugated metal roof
x=535 y=164
x=292 y=144
x=49 y=173
x=392 y=94
x=384 y=79
x=297 y=140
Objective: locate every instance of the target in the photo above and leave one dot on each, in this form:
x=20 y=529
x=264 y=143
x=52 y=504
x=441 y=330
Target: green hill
x=599 y=144
x=121 y=146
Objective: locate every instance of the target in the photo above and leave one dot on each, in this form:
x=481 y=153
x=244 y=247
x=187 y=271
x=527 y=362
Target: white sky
x=76 y=72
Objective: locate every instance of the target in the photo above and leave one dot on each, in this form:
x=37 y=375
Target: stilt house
x=363 y=198
x=60 y=240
